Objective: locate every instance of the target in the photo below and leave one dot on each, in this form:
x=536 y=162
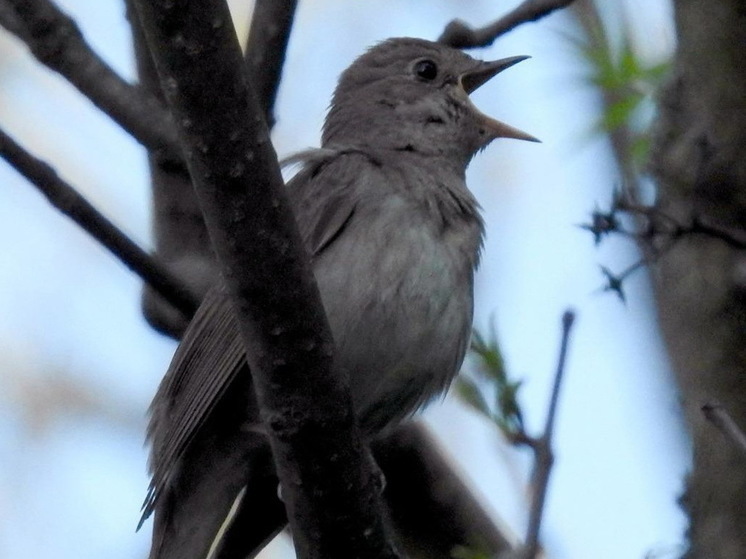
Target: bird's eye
x=426 y=69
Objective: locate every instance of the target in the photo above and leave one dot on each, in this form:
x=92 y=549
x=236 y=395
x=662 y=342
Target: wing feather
x=208 y=358
x=211 y=354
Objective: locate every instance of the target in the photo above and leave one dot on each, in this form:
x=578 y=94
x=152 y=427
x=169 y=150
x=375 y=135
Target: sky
x=72 y=462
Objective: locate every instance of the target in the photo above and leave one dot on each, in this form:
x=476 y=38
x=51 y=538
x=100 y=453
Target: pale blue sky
x=71 y=483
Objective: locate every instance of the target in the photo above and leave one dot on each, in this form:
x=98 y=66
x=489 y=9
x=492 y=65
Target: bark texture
x=700 y=166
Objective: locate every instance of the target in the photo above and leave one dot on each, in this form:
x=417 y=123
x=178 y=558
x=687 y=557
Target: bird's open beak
x=471 y=80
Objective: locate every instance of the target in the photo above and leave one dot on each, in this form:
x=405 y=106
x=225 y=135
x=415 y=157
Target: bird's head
x=413 y=95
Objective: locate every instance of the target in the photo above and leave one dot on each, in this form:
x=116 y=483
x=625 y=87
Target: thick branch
x=432 y=509
x=180 y=238
x=459 y=34
x=697 y=161
x=10 y=20
x=269 y=33
x=56 y=41
x=329 y=491
x=68 y=201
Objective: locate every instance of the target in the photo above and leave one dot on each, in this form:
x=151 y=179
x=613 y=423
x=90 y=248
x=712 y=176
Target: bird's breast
x=398 y=291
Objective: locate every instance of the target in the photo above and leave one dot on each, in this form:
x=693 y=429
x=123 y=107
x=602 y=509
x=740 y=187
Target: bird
x=394 y=237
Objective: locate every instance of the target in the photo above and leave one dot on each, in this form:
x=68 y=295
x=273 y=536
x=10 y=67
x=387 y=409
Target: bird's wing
x=208 y=358
x=322 y=196
x=211 y=354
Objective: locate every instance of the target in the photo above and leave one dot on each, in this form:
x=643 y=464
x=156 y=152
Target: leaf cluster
x=501 y=407
x=628 y=83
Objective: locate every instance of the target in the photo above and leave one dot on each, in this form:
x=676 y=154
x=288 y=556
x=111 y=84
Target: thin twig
x=269 y=33
x=568 y=319
x=720 y=418
x=65 y=198
x=543 y=447
x=459 y=34
x=733 y=237
x=57 y=42
x=654 y=225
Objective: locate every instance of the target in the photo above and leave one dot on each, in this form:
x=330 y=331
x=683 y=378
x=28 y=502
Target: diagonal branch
x=269 y=33
x=306 y=407
x=10 y=20
x=65 y=198
x=432 y=510
x=459 y=34
x=57 y=42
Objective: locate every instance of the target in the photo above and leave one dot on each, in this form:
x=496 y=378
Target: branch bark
x=306 y=408
x=431 y=508
x=269 y=34
x=179 y=234
x=700 y=284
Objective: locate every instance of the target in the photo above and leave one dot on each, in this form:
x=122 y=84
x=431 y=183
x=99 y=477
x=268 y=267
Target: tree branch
x=459 y=34
x=656 y=232
x=698 y=165
x=56 y=41
x=269 y=33
x=329 y=491
x=507 y=416
x=180 y=237
x=65 y=198
x=432 y=509
x=543 y=450
x=9 y=19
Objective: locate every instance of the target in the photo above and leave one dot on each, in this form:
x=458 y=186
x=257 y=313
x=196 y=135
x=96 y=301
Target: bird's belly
x=401 y=320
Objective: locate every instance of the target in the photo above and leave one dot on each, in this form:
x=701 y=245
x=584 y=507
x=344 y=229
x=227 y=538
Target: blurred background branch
x=56 y=41
x=459 y=34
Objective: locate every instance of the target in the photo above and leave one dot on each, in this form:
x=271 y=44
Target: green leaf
x=506 y=413
x=507 y=403
x=470 y=394
x=619 y=113
x=490 y=364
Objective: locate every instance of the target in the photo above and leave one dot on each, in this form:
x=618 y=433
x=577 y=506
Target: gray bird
x=394 y=236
